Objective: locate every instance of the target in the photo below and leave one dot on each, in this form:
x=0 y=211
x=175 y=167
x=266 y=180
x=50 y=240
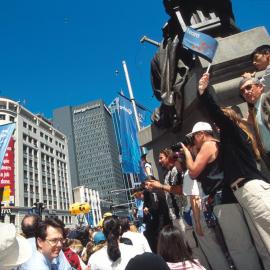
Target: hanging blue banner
x=6 y=132
x=90 y=219
x=200 y=43
x=130 y=148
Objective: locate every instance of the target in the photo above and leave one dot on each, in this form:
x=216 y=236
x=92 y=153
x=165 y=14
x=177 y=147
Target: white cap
x=14 y=248
x=200 y=126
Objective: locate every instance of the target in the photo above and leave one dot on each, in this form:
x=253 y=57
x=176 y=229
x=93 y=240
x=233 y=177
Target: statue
x=171 y=65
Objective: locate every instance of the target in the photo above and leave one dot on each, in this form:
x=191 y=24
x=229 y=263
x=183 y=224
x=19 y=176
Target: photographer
x=205 y=167
x=172 y=160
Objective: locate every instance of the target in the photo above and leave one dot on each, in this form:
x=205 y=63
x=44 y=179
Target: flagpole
x=208 y=68
x=132 y=99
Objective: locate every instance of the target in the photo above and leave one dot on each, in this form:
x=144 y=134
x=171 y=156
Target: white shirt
x=264 y=132
x=100 y=259
x=138 y=240
x=265 y=80
x=190 y=186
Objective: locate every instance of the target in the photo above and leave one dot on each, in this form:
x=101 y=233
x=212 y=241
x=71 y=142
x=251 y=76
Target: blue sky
x=55 y=53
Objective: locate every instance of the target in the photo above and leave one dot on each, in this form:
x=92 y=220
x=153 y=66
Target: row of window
x=4 y=117
x=42 y=134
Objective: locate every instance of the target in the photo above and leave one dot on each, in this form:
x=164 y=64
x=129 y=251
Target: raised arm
x=216 y=114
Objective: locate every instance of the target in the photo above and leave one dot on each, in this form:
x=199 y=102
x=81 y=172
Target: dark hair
x=41 y=230
x=29 y=229
x=112 y=230
x=81 y=234
x=263 y=49
x=172 y=247
x=125 y=241
x=166 y=152
x=125 y=224
x=149 y=177
x=143 y=156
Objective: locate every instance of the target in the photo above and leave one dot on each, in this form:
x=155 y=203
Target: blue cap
x=99 y=237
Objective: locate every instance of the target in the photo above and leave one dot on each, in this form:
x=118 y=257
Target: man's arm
x=176 y=189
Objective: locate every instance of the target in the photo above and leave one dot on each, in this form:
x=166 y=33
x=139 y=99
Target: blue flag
x=5 y=134
x=130 y=148
x=90 y=219
x=200 y=43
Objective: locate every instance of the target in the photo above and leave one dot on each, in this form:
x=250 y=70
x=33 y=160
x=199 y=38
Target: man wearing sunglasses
x=252 y=90
x=50 y=236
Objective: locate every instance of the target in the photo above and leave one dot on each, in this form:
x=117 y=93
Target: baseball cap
x=99 y=237
x=14 y=248
x=107 y=214
x=200 y=126
x=147 y=261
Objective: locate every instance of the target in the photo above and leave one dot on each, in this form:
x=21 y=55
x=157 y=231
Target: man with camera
x=205 y=167
x=172 y=160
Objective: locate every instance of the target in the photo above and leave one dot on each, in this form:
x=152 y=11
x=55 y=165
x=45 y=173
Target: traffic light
x=38 y=208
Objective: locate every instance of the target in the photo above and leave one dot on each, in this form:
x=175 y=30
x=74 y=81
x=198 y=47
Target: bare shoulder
x=210 y=149
x=210 y=144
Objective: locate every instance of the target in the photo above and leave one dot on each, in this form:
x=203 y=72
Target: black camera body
x=188 y=141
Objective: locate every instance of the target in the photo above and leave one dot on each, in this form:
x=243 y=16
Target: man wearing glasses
x=252 y=90
x=50 y=236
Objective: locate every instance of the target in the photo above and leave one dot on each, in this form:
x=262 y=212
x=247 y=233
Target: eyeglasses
x=55 y=241
x=248 y=87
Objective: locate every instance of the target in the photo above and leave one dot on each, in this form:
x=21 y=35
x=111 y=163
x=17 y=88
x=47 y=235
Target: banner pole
x=131 y=95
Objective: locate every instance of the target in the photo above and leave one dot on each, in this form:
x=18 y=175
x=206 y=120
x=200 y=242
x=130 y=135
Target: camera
x=188 y=141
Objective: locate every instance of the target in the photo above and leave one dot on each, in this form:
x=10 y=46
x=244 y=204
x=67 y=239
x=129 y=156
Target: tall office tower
x=35 y=167
x=94 y=158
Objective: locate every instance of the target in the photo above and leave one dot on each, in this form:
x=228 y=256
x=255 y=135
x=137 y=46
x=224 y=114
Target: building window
x=25 y=201
x=2 y=117
x=11 y=118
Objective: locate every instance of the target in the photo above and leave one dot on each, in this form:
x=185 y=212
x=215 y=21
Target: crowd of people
x=210 y=210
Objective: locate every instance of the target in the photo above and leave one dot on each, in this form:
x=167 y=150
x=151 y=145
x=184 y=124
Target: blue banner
x=6 y=132
x=200 y=43
x=130 y=148
x=90 y=219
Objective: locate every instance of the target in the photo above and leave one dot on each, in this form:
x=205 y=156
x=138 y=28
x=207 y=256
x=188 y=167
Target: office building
x=94 y=158
x=39 y=165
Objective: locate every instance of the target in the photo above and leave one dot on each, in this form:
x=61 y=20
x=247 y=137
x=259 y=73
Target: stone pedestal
x=231 y=60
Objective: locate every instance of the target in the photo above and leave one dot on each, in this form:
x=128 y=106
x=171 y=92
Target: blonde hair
x=238 y=120
x=76 y=245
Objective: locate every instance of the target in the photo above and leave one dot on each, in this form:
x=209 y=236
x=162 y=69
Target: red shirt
x=72 y=258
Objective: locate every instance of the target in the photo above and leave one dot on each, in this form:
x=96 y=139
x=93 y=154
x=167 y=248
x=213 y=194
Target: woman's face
x=163 y=160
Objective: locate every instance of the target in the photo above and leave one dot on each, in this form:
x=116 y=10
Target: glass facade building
x=93 y=153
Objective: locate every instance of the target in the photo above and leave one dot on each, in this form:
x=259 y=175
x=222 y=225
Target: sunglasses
x=247 y=87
